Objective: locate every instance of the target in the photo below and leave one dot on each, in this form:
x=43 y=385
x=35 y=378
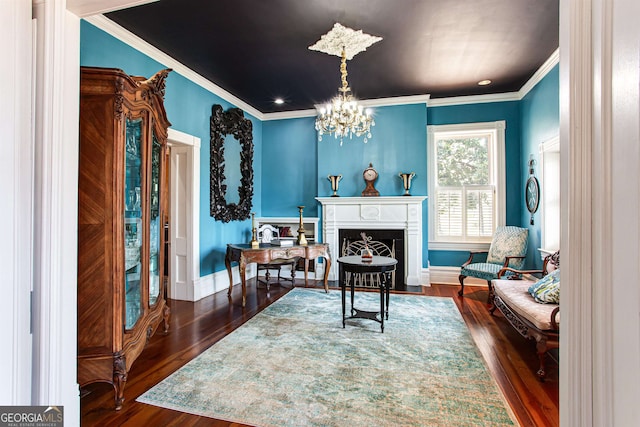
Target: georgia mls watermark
x=31 y=416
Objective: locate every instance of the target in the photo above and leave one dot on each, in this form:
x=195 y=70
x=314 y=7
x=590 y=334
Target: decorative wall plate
x=532 y=191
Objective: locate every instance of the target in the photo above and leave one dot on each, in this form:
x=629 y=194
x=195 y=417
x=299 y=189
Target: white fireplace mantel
x=383 y=213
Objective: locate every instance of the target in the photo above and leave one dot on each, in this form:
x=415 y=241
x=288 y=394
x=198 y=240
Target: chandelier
x=343 y=116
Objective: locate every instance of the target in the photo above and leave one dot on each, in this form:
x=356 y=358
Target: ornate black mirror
x=230 y=130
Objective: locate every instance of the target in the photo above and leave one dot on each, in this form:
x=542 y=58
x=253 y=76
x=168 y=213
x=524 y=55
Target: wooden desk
x=243 y=254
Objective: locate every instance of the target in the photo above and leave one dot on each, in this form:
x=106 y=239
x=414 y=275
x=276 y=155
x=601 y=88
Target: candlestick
x=302 y=240
x=254 y=232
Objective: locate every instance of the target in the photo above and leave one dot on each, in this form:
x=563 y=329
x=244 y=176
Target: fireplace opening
x=391 y=238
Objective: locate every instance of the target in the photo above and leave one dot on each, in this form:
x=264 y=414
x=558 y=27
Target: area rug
x=293 y=364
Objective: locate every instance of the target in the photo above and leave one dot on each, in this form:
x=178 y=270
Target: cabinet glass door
x=155 y=236
x=133 y=221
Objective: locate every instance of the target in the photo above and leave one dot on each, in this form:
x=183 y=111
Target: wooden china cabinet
x=122 y=210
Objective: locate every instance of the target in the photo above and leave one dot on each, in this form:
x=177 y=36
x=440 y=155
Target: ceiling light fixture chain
x=343 y=73
x=343 y=116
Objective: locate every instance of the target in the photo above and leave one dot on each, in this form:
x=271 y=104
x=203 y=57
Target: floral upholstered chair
x=508 y=249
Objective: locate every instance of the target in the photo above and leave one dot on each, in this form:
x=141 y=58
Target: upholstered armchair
x=508 y=249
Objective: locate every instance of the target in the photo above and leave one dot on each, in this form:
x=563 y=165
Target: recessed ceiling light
x=279 y=101
x=484 y=82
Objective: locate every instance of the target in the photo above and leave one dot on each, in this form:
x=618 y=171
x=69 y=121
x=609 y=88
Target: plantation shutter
x=464 y=191
x=465 y=211
x=450 y=212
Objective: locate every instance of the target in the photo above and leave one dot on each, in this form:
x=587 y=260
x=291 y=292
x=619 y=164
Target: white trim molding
x=576 y=103
x=441 y=275
x=84 y=8
x=55 y=217
x=544 y=69
x=17 y=188
x=600 y=226
x=474 y=99
x=497 y=128
x=540 y=74
x=425 y=277
x=219 y=281
x=379 y=213
x=193 y=227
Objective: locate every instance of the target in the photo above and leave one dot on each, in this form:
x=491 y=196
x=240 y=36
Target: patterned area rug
x=294 y=365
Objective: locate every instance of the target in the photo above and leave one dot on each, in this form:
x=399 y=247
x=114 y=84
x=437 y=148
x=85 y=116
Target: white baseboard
x=425 y=277
x=449 y=276
x=218 y=281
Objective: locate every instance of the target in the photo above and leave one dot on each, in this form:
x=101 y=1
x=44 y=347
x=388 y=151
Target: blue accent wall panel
x=289 y=167
x=540 y=110
x=399 y=144
x=451 y=258
x=188 y=108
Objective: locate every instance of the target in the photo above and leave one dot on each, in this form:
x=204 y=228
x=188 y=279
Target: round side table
x=378 y=264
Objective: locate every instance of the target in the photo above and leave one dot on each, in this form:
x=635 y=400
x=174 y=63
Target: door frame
x=192 y=144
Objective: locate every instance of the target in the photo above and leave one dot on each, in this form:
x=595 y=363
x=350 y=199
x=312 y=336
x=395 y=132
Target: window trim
x=499 y=128
x=549 y=159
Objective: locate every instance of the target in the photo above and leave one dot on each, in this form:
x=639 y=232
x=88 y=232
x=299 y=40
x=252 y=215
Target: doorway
x=184 y=227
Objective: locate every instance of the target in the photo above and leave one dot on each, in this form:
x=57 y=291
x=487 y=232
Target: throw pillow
x=547 y=289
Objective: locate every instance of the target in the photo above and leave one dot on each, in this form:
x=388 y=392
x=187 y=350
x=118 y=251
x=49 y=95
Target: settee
x=533 y=318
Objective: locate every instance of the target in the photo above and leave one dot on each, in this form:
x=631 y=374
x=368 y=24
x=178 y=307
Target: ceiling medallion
x=342 y=116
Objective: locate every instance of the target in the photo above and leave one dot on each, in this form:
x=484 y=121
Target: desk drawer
x=287 y=253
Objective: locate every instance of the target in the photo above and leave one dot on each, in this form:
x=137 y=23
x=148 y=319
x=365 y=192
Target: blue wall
x=296 y=165
x=188 y=108
x=399 y=144
x=291 y=166
x=540 y=110
x=488 y=112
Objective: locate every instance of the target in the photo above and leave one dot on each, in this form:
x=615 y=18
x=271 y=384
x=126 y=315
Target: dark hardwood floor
x=197 y=326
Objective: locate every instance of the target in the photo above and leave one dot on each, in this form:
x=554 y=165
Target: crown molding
x=125 y=36
x=544 y=69
x=398 y=100
x=475 y=99
x=541 y=73
x=377 y=102
x=282 y=115
x=82 y=8
x=137 y=43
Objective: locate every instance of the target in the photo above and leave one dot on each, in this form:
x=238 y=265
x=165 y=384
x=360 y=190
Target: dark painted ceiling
x=258 y=49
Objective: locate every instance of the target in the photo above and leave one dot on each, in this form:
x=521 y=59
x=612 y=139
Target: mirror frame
x=232 y=122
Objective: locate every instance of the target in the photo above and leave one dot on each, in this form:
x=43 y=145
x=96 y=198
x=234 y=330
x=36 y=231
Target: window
x=466 y=184
x=550 y=196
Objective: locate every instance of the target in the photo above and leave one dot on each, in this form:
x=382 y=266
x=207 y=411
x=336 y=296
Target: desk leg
x=327 y=267
x=227 y=263
x=242 y=266
x=306 y=271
